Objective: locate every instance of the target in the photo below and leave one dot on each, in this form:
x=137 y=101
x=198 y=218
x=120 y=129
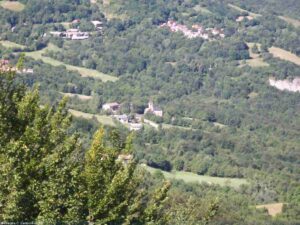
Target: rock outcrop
x=286 y=85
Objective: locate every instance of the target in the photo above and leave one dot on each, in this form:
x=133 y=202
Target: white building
x=135 y=126
x=153 y=109
x=113 y=106
x=97 y=24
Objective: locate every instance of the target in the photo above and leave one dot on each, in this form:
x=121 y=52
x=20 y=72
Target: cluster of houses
x=242 y=18
x=76 y=34
x=5 y=66
x=72 y=34
x=195 y=32
x=135 y=123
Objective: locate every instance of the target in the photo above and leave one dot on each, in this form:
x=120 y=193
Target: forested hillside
x=191 y=80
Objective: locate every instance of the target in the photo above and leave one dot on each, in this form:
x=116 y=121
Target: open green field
x=256 y=59
x=258 y=62
x=81 y=97
x=285 y=55
x=192 y=177
x=289 y=20
x=105 y=120
x=243 y=10
x=12 y=5
x=201 y=9
x=9 y=44
x=170 y=126
x=38 y=55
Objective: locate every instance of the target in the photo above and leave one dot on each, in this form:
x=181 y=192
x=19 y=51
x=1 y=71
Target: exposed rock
x=286 y=85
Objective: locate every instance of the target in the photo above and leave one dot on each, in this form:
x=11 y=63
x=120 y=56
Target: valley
x=193 y=104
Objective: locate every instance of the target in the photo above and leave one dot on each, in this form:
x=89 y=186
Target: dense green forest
x=221 y=118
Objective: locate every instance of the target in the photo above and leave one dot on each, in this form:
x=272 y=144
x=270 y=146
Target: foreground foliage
x=44 y=177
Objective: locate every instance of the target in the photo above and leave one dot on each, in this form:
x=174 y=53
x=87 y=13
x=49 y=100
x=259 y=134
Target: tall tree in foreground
x=43 y=178
x=37 y=173
x=113 y=186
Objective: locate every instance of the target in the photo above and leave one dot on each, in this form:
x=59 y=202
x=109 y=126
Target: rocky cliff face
x=286 y=85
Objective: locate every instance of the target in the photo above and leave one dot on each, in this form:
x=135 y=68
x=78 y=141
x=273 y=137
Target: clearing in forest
x=189 y=177
x=38 y=55
x=81 y=97
x=110 y=9
x=285 y=55
x=273 y=209
x=202 y=9
x=9 y=44
x=12 y=5
x=289 y=20
x=256 y=58
x=105 y=120
x=243 y=10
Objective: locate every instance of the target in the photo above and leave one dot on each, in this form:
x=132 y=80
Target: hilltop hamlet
x=134 y=122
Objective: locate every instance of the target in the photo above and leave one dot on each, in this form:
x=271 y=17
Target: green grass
x=105 y=120
x=84 y=72
x=289 y=20
x=12 y=5
x=285 y=55
x=195 y=178
x=258 y=62
x=201 y=9
x=256 y=59
x=9 y=44
x=81 y=97
x=170 y=126
x=243 y=10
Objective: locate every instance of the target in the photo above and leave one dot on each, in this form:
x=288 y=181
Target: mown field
x=243 y=10
x=12 y=5
x=105 y=120
x=81 y=97
x=289 y=20
x=285 y=55
x=38 y=55
x=192 y=177
x=256 y=59
x=9 y=44
x=273 y=209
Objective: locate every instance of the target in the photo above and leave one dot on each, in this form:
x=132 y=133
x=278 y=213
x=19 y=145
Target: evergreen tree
x=112 y=184
x=44 y=179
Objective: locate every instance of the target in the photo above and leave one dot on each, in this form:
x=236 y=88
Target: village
x=196 y=31
x=75 y=33
x=135 y=123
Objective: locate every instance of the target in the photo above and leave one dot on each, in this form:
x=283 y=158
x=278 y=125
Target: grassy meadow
x=81 y=97
x=192 y=177
x=84 y=72
x=256 y=59
x=105 y=120
x=243 y=10
x=12 y=5
x=285 y=55
x=291 y=21
x=9 y=44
